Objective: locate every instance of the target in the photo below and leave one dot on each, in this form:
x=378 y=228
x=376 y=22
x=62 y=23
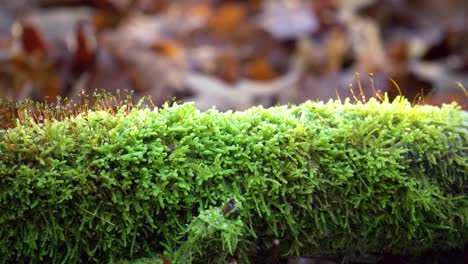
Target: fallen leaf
x=31 y=37
x=228 y=66
x=84 y=47
x=227 y=18
x=169 y=48
x=260 y=70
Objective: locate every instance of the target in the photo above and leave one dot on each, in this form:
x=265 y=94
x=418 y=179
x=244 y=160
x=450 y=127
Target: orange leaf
x=168 y=48
x=227 y=18
x=259 y=69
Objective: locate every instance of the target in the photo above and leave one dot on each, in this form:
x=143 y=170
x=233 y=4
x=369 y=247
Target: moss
x=335 y=178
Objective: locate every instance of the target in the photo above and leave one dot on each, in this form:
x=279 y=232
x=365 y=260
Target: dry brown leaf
x=103 y=19
x=227 y=18
x=260 y=70
x=84 y=48
x=58 y=24
x=228 y=66
x=32 y=40
x=398 y=53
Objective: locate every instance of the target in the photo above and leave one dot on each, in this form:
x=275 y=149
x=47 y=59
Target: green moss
x=333 y=178
x=212 y=238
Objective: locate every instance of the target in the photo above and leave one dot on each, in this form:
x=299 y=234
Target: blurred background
x=235 y=54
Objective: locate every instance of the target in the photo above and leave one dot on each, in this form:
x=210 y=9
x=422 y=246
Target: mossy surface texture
x=330 y=178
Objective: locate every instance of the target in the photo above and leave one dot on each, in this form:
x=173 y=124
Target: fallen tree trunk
x=344 y=179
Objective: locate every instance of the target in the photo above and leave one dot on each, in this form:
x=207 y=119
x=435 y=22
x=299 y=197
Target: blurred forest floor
x=235 y=54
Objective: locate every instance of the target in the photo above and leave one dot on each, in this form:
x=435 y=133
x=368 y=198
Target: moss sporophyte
x=107 y=184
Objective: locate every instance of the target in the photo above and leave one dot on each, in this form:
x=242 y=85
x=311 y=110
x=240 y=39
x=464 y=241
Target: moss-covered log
x=333 y=178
